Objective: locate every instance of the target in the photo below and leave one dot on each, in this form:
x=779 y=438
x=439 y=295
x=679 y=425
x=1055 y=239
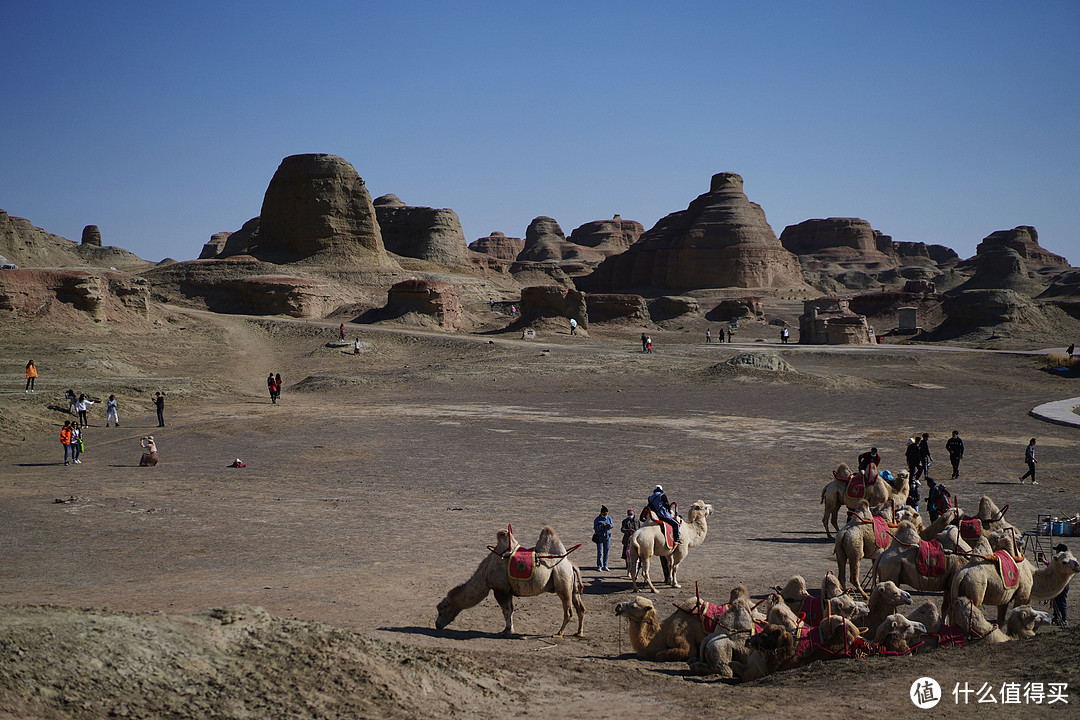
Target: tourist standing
x=65 y=439
x=111 y=412
x=644 y=342
x=159 y=404
x=1060 y=603
x=76 y=443
x=648 y=344
x=1029 y=458
x=708 y=335
x=573 y=326
x=924 y=456
x=31 y=376
x=341 y=332
x=629 y=526
x=911 y=455
x=602 y=525
x=271 y=388
x=784 y=334
x=356 y=346
x=277 y=386
x=80 y=407
x=955 y=446
x=72 y=398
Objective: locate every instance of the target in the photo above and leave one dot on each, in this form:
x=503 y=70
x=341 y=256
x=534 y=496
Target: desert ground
x=378 y=480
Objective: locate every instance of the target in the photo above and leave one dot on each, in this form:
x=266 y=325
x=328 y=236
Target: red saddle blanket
x=812 y=611
x=931 y=559
x=710 y=613
x=522 y=563
x=856 y=487
x=951 y=636
x=971 y=528
x=1010 y=574
x=669 y=534
x=881 y=532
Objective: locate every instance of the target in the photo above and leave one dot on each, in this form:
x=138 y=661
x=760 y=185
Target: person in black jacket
x=912 y=457
x=924 y=457
x=955 y=446
x=869 y=457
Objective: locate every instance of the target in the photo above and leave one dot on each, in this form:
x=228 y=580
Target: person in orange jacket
x=65 y=439
x=31 y=375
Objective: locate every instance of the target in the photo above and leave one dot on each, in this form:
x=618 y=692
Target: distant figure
x=722 y=335
x=573 y=326
x=149 y=456
x=356 y=347
x=271 y=387
x=629 y=526
x=76 y=443
x=31 y=376
x=491 y=303
x=72 y=398
x=784 y=335
x=708 y=335
x=1060 y=603
x=644 y=342
x=924 y=456
x=513 y=311
x=1069 y=350
x=277 y=386
x=871 y=456
x=933 y=499
x=955 y=446
x=648 y=344
x=111 y=412
x=1029 y=458
x=80 y=407
x=341 y=332
x=65 y=440
x=602 y=525
x=159 y=404
x=911 y=455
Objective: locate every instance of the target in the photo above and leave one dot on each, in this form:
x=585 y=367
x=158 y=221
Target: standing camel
x=552 y=572
x=649 y=541
x=1048 y=582
x=878 y=492
x=859 y=539
x=899 y=563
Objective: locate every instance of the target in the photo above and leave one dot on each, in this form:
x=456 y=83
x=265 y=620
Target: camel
x=836 y=635
x=896 y=631
x=770 y=650
x=855 y=541
x=727 y=643
x=884 y=599
x=980 y=581
x=1048 y=582
x=967 y=616
x=878 y=494
x=679 y=635
x=649 y=540
x=779 y=613
x=928 y=615
x=1024 y=621
x=149 y=456
x=552 y=573
x=898 y=563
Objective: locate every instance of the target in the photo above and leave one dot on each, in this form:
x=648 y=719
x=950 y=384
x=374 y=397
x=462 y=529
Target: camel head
x=835 y=627
x=831 y=587
x=908 y=533
x=849 y=607
x=636 y=610
x=927 y=614
x=862 y=509
x=795 y=590
x=739 y=592
x=1064 y=563
x=887 y=594
x=842 y=472
x=699 y=509
x=773 y=638
x=1023 y=621
x=448 y=610
x=970 y=618
x=902 y=626
x=908 y=514
x=780 y=614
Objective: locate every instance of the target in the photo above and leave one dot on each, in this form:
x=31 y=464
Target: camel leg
x=506 y=602
x=665 y=563
x=567 y=597
x=825 y=522
x=855 y=561
x=841 y=563
x=645 y=561
x=674 y=573
x=576 y=592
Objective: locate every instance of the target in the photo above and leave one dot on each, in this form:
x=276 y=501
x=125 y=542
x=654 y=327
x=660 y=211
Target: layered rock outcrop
x=545 y=242
x=737 y=308
x=548 y=301
x=839 y=240
x=424 y=233
x=91 y=235
x=31 y=247
x=721 y=240
x=1001 y=267
x=498 y=246
x=605 y=307
x=1024 y=240
x=317 y=210
x=609 y=237
x=72 y=295
x=435 y=299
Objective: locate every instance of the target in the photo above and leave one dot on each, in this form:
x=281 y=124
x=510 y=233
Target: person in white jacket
x=80 y=407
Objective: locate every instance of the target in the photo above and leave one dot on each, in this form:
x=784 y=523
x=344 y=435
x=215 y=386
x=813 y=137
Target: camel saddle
x=669 y=533
x=856 y=487
x=522 y=563
x=812 y=610
x=881 y=532
x=951 y=636
x=931 y=559
x=1006 y=565
x=708 y=612
x=971 y=528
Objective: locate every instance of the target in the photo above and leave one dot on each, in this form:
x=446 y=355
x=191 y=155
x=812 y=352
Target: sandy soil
x=375 y=484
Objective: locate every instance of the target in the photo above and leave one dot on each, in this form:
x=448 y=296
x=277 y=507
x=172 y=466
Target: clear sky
x=938 y=122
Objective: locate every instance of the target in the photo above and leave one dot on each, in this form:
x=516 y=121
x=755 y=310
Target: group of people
x=603 y=524
x=273 y=381
x=646 y=343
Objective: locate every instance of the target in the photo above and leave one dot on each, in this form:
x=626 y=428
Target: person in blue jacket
x=660 y=506
x=602 y=525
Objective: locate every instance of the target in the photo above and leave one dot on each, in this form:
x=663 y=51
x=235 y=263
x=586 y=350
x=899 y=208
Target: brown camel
x=770 y=650
x=928 y=615
x=779 y=613
x=1024 y=621
x=727 y=642
x=649 y=540
x=552 y=573
x=897 y=631
x=676 y=638
x=878 y=493
x=855 y=541
x=967 y=616
x=884 y=599
x=899 y=562
x=1048 y=582
x=980 y=581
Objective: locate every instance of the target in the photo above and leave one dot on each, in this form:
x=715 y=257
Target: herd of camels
x=974 y=561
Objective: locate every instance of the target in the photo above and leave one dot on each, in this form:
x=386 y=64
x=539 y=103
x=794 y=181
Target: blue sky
x=162 y=124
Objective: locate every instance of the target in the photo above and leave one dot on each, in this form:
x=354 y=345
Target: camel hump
x=549 y=543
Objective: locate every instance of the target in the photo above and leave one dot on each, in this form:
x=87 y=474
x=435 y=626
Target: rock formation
x=547 y=301
x=545 y=242
x=605 y=307
x=1025 y=241
x=1064 y=292
x=424 y=233
x=610 y=237
x=829 y=321
x=839 y=240
x=989 y=312
x=91 y=235
x=667 y=307
x=71 y=295
x=721 y=240
x=1001 y=267
x=498 y=246
x=737 y=308
x=318 y=210
x=31 y=247
x=431 y=298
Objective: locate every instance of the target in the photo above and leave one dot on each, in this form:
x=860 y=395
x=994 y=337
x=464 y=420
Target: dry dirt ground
x=375 y=484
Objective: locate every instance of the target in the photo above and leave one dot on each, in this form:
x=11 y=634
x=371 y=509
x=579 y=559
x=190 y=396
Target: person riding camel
x=660 y=507
x=869 y=457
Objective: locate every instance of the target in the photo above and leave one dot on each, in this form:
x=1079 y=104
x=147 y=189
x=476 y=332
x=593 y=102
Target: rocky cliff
x=31 y=247
x=424 y=233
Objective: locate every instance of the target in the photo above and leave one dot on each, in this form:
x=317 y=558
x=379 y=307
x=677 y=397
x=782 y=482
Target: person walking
x=76 y=443
x=1029 y=458
x=660 y=506
x=80 y=407
x=1060 y=603
x=65 y=440
x=271 y=388
x=277 y=386
x=923 y=469
x=784 y=335
x=72 y=398
x=573 y=326
x=602 y=525
x=111 y=412
x=955 y=447
x=341 y=332
x=644 y=342
x=159 y=404
x=708 y=335
x=911 y=456
x=648 y=345
x=629 y=526
x=31 y=376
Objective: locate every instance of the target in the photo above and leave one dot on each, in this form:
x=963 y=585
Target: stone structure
x=91 y=235
x=610 y=237
x=427 y=297
x=318 y=210
x=31 y=247
x=666 y=307
x=1024 y=240
x=545 y=242
x=737 y=308
x=425 y=233
x=74 y=295
x=829 y=321
x=215 y=247
x=546 y=301
x=1000 y=266
x=498 y=246
x=721 y=240
x=603 y=307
